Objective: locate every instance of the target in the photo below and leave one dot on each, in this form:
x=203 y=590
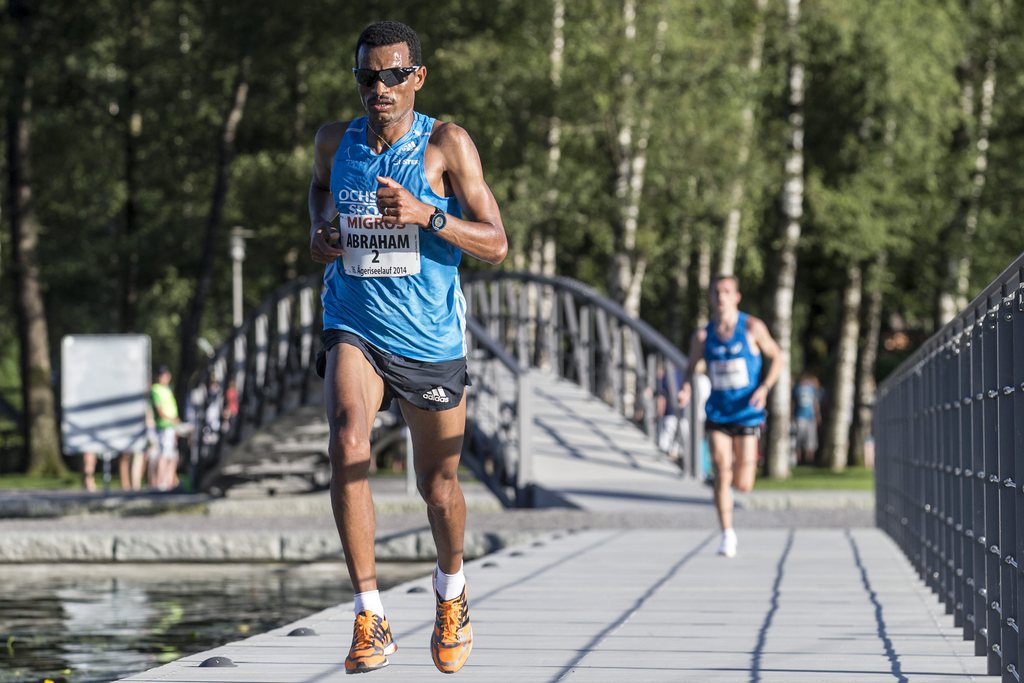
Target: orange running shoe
x=371 y=644
x=452 y=639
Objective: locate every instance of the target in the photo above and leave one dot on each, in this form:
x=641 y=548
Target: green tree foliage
x=130 y=97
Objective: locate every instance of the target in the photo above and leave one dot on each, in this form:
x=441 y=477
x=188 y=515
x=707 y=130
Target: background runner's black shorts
x=429 y=386
x=732 y=430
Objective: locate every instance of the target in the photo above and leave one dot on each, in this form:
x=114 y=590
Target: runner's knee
x=743 y=485
x=349 y=448
x=438 y=491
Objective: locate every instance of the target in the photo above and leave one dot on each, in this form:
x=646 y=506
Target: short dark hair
x=391 y=33
x=724 y=276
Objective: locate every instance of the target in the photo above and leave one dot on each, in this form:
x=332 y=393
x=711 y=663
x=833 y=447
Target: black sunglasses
x=389 y=77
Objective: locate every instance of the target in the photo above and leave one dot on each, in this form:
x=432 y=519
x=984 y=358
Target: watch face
x=437 y=221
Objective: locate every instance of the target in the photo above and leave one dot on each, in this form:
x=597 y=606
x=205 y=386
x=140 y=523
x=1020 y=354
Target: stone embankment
x=250 y=526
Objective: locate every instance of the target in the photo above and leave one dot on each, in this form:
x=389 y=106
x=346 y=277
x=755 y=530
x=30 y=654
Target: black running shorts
x=732 y=430
x=429 y=386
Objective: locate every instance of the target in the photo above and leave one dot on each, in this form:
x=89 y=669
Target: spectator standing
x=807 y=414
x=164 y=471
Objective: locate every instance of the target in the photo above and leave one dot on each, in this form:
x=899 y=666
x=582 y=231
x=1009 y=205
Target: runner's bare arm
x=479 y=232
x=321 y=205
x=696 y=354
x=770 y=350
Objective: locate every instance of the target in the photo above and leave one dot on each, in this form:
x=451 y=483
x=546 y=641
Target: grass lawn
x=803 y=478
x=807 y=478
x=69 y=481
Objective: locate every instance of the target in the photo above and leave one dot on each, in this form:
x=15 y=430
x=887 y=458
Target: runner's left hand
x=397 y=205
x=759 y=399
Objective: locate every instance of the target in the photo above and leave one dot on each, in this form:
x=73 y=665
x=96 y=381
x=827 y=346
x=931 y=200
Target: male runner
x=411 y=196
x=733 y=345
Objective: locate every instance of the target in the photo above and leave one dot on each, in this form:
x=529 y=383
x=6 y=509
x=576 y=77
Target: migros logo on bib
x=370 y=222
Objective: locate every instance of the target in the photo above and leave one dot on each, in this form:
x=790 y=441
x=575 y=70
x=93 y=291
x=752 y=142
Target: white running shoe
x=727 y=547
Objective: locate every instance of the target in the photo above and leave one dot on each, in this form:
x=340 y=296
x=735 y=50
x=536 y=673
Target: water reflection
x=87 y=623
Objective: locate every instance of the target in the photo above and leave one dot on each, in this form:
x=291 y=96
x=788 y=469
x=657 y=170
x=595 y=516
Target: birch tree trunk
x=866 y=385
x=954 y=295
x=634 y=128
x=194 y=317
x=554 y=142
x=703 y=281
x=840 y=417
x=631 y=145
x=780 y=404
x=543 y=245
x=40 y=425
x=988 y=93
x=730 y=236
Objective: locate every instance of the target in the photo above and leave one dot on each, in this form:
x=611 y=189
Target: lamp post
x=238 y=237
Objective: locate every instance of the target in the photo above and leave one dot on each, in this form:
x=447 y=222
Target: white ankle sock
x=369 y=601
x=449 y=586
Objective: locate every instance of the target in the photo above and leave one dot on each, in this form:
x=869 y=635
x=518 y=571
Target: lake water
x=92 y=623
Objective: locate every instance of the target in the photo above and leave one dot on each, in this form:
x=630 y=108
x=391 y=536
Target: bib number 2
x=376 y=250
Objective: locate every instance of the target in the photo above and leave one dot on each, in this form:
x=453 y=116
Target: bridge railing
x=563 y=327
x=949 y=435
x=269 y=361
x=498 y=419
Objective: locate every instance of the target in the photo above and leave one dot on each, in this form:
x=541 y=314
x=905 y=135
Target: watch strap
x=438 y=220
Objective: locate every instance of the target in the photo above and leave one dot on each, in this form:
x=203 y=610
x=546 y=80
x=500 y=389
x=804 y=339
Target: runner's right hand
x=684 y=395
x=323 y=243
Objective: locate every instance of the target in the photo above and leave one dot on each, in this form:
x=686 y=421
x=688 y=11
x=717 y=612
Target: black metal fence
x=949 y=436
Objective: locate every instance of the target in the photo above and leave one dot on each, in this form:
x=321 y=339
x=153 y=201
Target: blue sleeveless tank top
x=734 y=370
x=397 y=287
x=806 y=394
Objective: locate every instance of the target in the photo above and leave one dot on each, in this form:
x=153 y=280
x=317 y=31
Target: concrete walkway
x=616 y=581
x=618 y=605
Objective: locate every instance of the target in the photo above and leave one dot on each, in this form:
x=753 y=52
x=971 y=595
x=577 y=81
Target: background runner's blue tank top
x=396 y=286
x=734 y=370
x=806 y=394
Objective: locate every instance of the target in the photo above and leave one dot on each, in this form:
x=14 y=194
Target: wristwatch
x=437 y=221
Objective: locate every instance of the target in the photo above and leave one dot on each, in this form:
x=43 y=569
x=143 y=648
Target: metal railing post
x=991 y=482
x=966 y=478
x=978 y=514
x=1017 y=311
x=1006 y=479
x=696 y=432
x=524 y=470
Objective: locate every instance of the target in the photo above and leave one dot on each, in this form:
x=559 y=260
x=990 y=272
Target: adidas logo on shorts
x=437 y=395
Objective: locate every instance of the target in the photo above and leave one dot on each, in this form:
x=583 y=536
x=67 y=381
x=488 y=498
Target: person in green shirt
x=163 y=469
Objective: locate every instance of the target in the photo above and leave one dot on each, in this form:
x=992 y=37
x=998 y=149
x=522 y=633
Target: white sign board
x=104 y=385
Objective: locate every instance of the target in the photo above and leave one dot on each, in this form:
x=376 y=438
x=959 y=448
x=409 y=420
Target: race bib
x=374 y=248
x=729 y=374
